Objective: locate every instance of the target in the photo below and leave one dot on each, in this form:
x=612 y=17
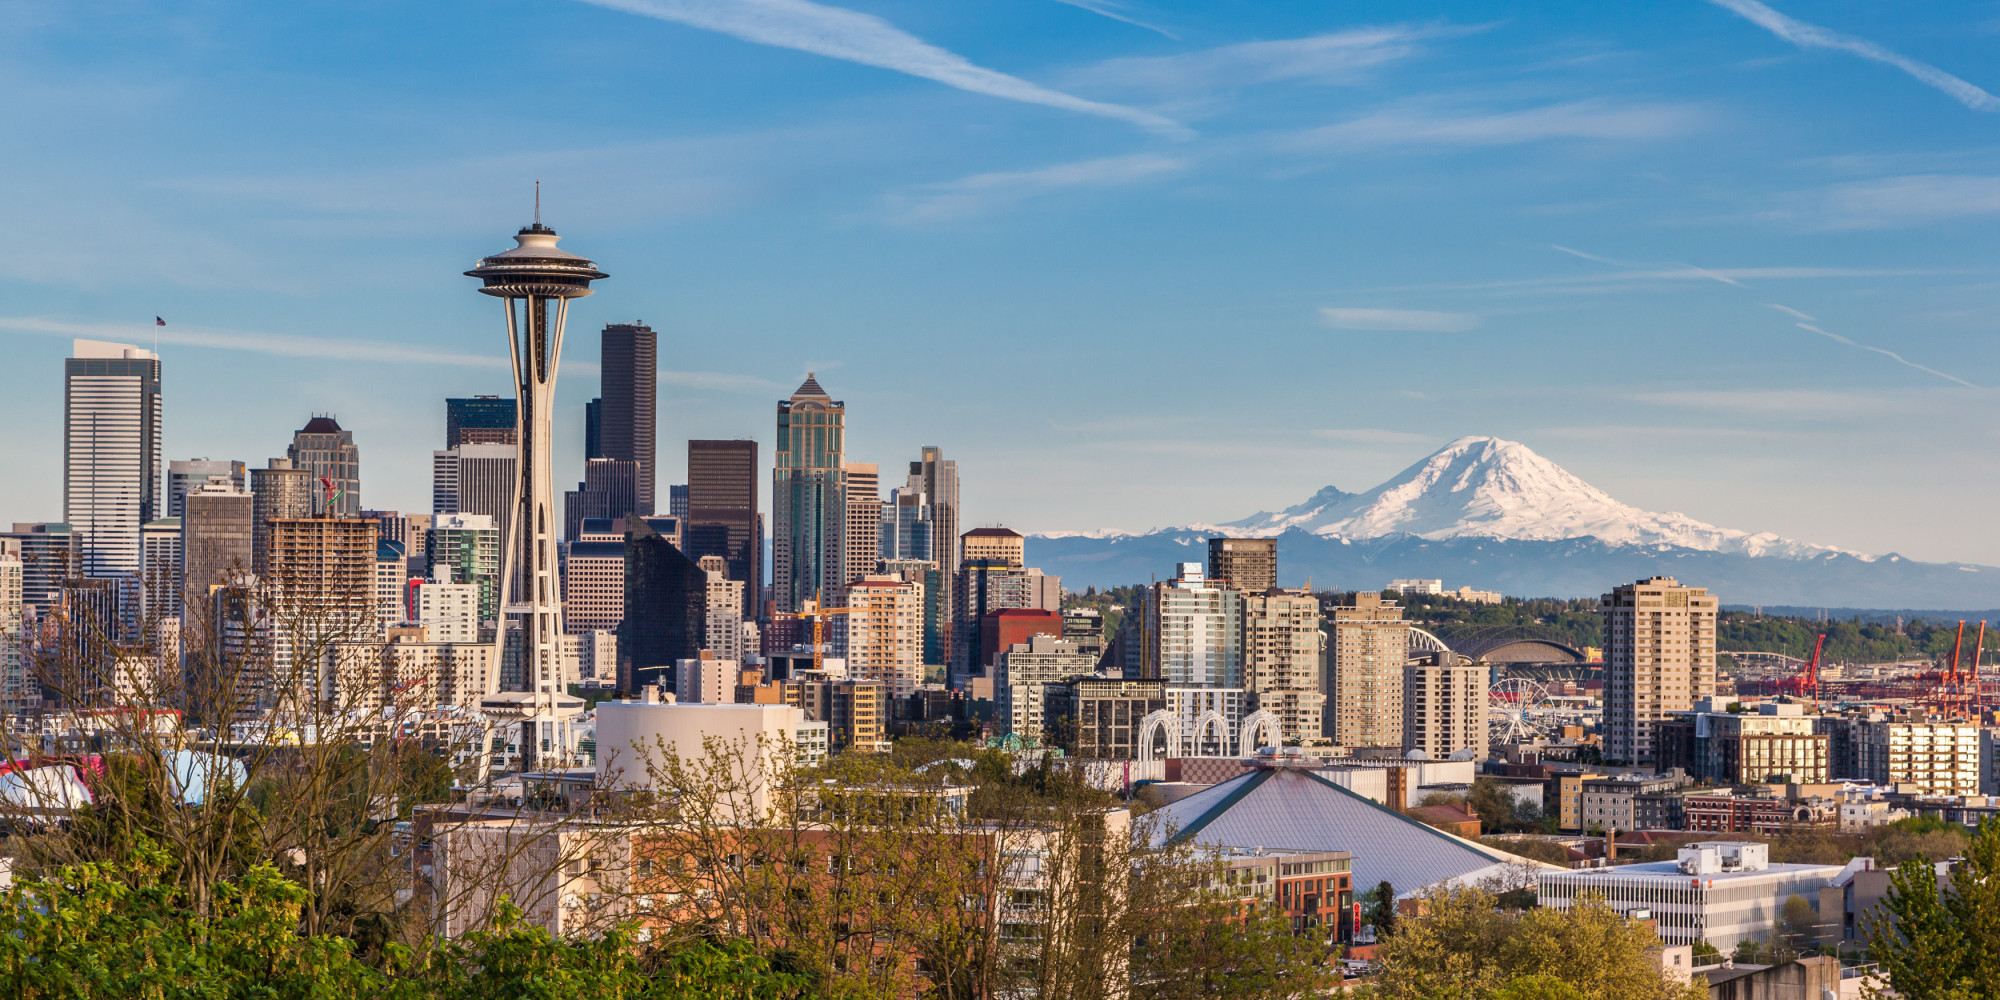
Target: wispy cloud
x=1812 y=36
x=839 y=33
x=1899 y=359
x=1117 y=11
x=1592 y=119
x=1398 y=320
x=1369 y=435
x=1793 y=313
x=282 y=344
x=1337 y=57
x=1911 y=200
x=980 y=193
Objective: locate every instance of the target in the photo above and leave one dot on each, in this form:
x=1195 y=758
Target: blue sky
x=1132 y=263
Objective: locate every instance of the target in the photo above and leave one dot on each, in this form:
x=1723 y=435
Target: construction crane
x=1978 y=696
x=818 y=615
x=1811 y=674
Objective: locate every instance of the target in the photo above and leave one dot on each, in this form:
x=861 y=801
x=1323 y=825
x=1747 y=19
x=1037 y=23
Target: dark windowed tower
x=627 y=413
x=722 y=517
x=479 y=420
x=666 y=607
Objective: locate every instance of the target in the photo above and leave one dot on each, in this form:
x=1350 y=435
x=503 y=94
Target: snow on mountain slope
x=1482 y=487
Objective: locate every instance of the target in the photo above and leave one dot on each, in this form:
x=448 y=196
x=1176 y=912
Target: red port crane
x=1811 y=674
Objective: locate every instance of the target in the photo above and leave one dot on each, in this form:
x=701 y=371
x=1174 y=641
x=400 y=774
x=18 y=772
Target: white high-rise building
x=707 y=679
x=449 y=612
x=111 y=453
x=160 y=576
x=724 y=618
x=184 y=477
x=1191 y=631
x=17 y=692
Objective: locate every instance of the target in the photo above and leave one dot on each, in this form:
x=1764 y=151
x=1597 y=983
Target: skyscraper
x=1659 y=657
x=610 y=489
x=593 y=429
x=1444 y=704
x=327 y=452
x=18 y=692
x=863 y=540
x=808 y=497
x=677 y=501
x=479 y=420
x=466 y=549
x=1364 y=692
x=723 y=519
x=279 y=490
x=160 y=580
x=47 y=559
x=666 y=609
x=475 y=479
x=1191 y=631
x=111 y=453
x=628 y=413
x=936 y=478
x=1249 y=565
x=185 y=477
x=1283 y=646
x=216 y=539
x=322 y=580
x=907 y=530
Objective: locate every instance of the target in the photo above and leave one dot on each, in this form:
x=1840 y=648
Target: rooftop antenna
x=538 y=204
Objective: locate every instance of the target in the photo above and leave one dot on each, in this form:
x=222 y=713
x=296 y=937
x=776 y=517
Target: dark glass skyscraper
x=593 y=429
x=666 y=608
x=479 y=420
x=722 y=518
x=629 y=410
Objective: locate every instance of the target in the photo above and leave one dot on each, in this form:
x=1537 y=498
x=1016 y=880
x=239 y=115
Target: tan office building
x=1284 y=652
x=1444 y=705
x=1366 y=651
x=1002 y=546
x=1659 y=657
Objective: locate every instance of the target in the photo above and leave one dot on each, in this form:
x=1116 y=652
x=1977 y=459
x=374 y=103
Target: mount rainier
x=1497 y=516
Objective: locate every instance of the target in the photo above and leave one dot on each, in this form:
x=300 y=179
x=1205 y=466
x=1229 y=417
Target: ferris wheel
x=1519 y=710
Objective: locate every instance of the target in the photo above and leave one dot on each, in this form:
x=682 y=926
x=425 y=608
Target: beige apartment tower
x=999 y=546
x=1444 y=704
x=862 y=542
x=1365 y=655
x=1659 y=657
x=1284 y=651
x=1246 y=564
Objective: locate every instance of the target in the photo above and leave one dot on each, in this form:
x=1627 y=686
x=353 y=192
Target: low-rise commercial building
x=1721 y=892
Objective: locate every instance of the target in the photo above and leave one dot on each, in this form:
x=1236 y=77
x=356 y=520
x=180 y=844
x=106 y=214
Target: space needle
x=536 y=280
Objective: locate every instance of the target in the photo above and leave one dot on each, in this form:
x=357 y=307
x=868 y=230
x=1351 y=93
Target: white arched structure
x=1201 y=727
x=1153 y=722
x=1258 y=727
x=1420 y=639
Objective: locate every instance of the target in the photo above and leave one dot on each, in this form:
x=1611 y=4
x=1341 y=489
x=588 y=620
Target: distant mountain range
x=1495 y=515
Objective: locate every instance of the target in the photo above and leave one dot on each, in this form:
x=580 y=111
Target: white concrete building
x=707 y=679
x=449 y=612
x=1023 y=669
x=636 y=738
x=1722 y=892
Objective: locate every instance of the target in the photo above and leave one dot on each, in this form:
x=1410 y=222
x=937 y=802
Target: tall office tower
x=983 y=587
x=327 y=452
x=885 y=632
x=666 y=609
x=610 y=489
x=1191 y=631
x=323 y=591
x=593 y=429
x=479 y=420
x=722 y=516
x=935 y=591
x=723 y=616
x=444 y=481
x=216 y=538
x=808 y=497
x=1659 y=657
x=1003 y=546
x=160 y=577
x=18 y=691
x=1283 y=647
x=1245 y=565
x=908 y=530
x=46 y=561
x=74 y=654
x=593 y=582
x=279 y=490
x=628 y=414
x=863 y=532
x=1444 y=704
x=188 y=476
x=677 y=501
x=469 y=544
x=936 y=478
x=111 y=453
x=1364 y=689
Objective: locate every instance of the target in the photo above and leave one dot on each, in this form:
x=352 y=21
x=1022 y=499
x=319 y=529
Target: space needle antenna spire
x=536 y=280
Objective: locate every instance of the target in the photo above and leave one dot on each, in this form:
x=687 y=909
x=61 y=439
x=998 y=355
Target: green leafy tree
x=1937 y=941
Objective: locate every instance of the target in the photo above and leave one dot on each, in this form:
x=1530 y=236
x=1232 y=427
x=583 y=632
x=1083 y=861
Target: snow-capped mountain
x=1493 y=514
x=1482 y=487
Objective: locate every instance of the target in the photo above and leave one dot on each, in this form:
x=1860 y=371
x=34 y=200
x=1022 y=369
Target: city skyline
x=1615 y=238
